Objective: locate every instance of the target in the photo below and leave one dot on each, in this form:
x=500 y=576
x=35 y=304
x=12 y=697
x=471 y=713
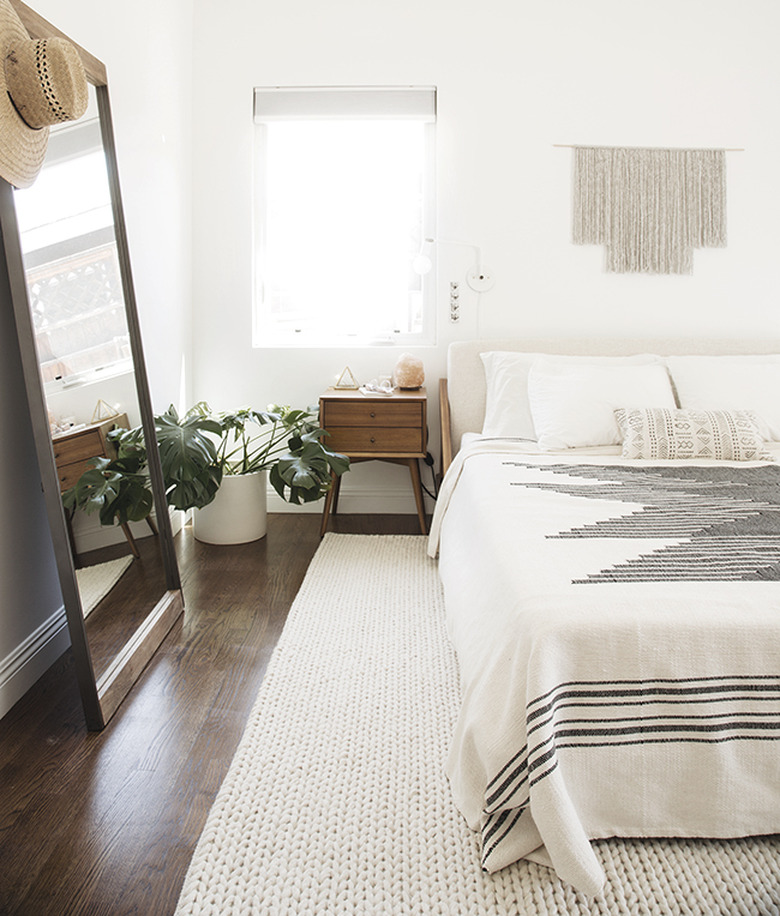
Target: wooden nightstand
x=379 y=428
x=72 y=451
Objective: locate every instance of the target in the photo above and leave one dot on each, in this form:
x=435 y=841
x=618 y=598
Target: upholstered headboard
x=466 y=375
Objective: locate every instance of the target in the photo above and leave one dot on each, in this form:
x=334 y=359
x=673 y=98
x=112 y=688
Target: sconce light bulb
x=422 y=264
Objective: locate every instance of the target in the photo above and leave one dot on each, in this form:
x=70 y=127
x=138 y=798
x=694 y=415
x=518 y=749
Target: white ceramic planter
x=238 y=513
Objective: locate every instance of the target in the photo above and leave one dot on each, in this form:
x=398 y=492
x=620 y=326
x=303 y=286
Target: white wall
x=514 y=78
x=147 y=48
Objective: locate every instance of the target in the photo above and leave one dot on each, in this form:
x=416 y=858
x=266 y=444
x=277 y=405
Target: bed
x=612 y=592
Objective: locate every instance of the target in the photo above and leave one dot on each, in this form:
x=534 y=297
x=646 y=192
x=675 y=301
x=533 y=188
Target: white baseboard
x=91 y=535
x=21 y=668
x=359 y=501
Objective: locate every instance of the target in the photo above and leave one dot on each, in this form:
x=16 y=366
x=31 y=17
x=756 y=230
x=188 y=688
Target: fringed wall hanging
x=649 y=207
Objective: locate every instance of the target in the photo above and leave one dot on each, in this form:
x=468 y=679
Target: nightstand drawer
x=366 y=439
x=371 y=413
x=73 y=450
x=78 y=447
x=69 y=473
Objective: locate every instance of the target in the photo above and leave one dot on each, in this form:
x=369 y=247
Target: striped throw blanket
x=617 y=626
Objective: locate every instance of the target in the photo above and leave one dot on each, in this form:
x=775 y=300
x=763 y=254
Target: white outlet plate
x=454 y=301
x=480 y=280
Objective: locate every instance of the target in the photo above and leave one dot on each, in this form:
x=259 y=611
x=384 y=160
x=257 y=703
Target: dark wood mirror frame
x=101 y=697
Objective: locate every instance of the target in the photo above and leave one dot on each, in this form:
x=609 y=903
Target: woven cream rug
x=336 y=801
x=95 y=582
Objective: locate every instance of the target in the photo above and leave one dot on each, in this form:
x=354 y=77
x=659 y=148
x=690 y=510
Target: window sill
x=93 y=377
x=318 y=341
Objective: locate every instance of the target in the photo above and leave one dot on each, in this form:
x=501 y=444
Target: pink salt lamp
x=408 y=372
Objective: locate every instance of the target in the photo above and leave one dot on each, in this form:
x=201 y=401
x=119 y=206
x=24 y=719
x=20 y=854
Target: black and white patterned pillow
x=660 y=432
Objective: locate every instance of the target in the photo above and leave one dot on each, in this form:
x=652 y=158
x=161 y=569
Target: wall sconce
x=479 y=277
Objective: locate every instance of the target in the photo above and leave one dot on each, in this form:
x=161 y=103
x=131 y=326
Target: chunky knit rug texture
x=336 y=801
x=95 y=582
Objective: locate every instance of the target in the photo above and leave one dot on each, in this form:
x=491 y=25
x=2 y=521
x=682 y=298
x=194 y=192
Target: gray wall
x=32 y=623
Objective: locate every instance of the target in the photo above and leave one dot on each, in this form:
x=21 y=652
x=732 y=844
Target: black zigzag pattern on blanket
x=726 y=520
x=587 y=714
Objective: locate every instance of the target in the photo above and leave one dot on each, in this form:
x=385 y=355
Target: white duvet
x=617 y=626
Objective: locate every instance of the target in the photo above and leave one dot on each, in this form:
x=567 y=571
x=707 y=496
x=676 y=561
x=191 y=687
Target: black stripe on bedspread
x=496 y=831
x=726 y=520
x=625 y=713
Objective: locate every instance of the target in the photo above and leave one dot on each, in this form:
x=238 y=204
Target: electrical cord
x=429 y=461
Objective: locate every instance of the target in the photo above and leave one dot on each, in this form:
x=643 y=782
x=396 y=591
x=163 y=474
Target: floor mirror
x=65 y=267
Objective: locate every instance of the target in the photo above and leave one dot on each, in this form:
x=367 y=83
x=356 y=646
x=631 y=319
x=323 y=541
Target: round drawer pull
x=372 y=414
x=373 y=440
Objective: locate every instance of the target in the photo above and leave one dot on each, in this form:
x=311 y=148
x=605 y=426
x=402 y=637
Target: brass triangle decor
x=103 y=411
x=347 y=380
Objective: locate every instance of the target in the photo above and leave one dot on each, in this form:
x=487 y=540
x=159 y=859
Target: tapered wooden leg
x=130 y=540
x=414 y=470
x=328 y=504
x=336 y=491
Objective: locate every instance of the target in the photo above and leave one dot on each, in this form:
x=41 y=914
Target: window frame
x=345 y=104
x=72 y=142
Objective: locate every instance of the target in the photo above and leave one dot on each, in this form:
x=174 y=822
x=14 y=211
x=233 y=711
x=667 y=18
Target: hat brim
x=22 y=148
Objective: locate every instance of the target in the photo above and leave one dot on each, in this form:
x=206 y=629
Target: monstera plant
x=116 y=488
x=200 y=450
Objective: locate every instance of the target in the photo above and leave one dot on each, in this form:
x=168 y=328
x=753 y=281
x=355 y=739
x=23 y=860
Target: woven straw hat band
x=46 y=81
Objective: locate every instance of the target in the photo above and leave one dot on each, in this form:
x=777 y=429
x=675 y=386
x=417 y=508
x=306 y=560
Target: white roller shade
x=281 y=103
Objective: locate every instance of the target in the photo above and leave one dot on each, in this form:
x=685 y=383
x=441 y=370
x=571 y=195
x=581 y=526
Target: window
x=70 y=259
x=344 y=199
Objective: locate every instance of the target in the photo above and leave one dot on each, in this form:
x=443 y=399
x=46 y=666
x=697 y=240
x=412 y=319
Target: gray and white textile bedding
x=617 y=626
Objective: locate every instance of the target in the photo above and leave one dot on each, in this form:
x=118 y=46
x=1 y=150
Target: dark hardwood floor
x=106 y=822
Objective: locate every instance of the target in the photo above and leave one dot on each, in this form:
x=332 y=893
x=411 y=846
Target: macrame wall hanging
x=650 y=208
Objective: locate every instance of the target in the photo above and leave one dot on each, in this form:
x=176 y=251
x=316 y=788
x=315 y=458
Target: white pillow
x=573 y=405
x=731 y=383
x=654 y=432
x=507 y=409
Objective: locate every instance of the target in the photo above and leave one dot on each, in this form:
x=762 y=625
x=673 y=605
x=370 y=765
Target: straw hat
x=42 y=82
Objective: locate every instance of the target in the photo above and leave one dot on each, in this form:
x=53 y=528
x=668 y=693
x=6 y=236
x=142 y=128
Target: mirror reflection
x=76 y=298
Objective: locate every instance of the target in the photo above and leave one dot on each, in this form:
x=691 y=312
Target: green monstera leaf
x=188 y=457
x=303 y=475
x=118 y=490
